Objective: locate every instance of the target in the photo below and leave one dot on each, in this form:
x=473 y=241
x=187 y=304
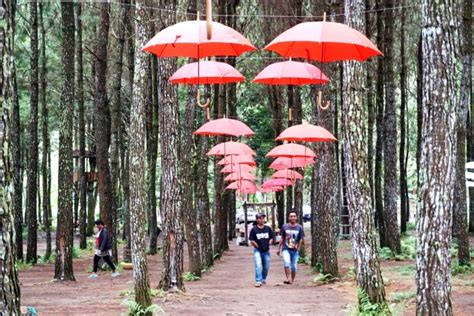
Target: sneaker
x=264 y=282
x=258 y=284
x=93 y=276
x=115 y=274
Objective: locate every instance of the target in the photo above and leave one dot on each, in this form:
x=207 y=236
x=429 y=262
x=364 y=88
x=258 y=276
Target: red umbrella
x=242 y=184
x=248 y=190
x=291 y=150
x=291 y=73
x=224 y=126
x=306 y=133
x=189 y=39
x=271 y=189
x=232 y=167
x=323 y=41
x=287 y=174
x=230 y=148
x=206 y=72
x=294 y=162
x=277 y=183
x=237 y=159
x=239 y=176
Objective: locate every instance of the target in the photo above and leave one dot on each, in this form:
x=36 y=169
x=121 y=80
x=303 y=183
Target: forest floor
x=228 y=289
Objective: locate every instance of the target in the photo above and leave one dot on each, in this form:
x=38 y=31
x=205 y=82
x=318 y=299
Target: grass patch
x=408 y=250
x=304 y=259
x=324 y=279
x=469 y=283
x=457 y=268
x=189 y=276
x=135 y=309
x=43 y=259
x=21 y=265
x=403 y=270
x=402 y=297
x=411 y=226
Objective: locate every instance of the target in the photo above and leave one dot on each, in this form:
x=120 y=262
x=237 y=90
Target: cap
x=260 y=215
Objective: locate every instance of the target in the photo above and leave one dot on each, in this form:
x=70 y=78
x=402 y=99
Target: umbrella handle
x=209 y=19
x=320 y=101
x=203 y=105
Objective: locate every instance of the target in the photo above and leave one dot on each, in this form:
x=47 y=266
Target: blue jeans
x=262 y=264
x=290 y=259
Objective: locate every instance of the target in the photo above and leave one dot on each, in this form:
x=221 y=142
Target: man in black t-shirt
x=261 y=237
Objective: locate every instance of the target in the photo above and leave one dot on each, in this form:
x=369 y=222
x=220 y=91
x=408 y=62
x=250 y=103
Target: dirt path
x=225 y=290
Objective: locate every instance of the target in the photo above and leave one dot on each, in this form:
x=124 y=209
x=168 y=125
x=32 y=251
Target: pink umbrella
x=206 y=72
x=271 y=189
x=248 y=190
x=291 y=73
x=229 y=168
x=277 y=183
x=242 y=185
x=239 y=159
x=239 y=176
x=294 y=162
x=226 y=127
x=291 y=150
x=230 y=148
x=306 y=133
x=287 y=174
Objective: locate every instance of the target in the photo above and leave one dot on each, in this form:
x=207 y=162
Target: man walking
x=261 y=237
x=103 y=249
x=292 y=235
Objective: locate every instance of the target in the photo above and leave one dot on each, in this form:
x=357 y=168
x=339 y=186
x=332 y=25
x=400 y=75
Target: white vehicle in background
x=240 y=216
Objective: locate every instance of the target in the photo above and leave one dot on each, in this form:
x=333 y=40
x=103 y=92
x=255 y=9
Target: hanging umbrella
x=287 y=174
x=237 y=159
x=240 y=175
x=242 y=185
x=189 y=39
x=291 y=73
x=232 y=167
x=323 y=41
x=226 y=127
x=206 y=72
x=248 y=190
x=291 y=150
x=230 y=148
x=277 y=183
x=291 y=162
x=271 y=189
x=306 y=133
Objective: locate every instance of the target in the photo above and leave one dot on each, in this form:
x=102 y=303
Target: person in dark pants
x=103 y=249
x=261 y=237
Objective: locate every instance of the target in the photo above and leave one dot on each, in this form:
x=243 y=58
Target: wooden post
x=245 y=225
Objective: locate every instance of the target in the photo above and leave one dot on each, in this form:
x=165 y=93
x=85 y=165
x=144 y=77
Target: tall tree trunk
x=460 y=223
x=82 y=132
x=116 y=107
x=404 y=202
x=45 y=166
x=441 y=51
x=137 y=163
x=32 y=169
x=125 y=135
x=171 y=198
x=467 y=64
x=364 y=248
x=64 y=232
x=10 y=289
x=378 y=175
x=392 y=232
x=419 y=109
x=108 y=208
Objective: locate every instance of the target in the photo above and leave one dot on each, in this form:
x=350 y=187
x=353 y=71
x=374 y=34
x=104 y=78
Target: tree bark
x=364 y=248
x=9 y=289
x=32 y=169
x=45 y=166
x=137 y=163
x=441 y=52
x=108 y=208
x=64 y=232
x=82 y=132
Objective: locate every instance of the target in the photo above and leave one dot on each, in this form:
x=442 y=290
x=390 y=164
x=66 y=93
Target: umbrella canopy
x=306 y=133
x=242 y=185
x=323 y=41
x=224 y=126
x=230 y=148
x=287 y=174
x=291 y=150
x=239 y=175
x=206 y=72
x=292 y=162
x=277 y=183
x=237 y=159
x=189 y=39
x=248 y=190
x=233 y=167
x=271 y=189
x=291 y=73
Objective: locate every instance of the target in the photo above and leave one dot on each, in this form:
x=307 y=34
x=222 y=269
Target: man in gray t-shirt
x=292 y=235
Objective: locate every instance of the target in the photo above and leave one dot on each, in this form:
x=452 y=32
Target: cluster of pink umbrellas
x=314 y=41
